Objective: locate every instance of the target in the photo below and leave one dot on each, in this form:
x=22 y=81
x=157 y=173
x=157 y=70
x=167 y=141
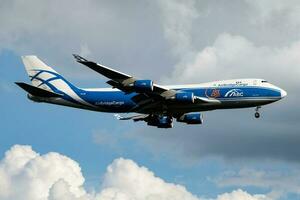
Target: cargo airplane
x=157 y=105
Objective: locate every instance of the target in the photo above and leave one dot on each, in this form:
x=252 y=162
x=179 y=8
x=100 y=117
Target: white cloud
x=240 y=195
x=280 y=182
x=146 y=186
x=61 y=190
x=233 y=56
x=25 y=174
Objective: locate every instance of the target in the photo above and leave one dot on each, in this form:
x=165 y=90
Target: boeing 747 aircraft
x=155 y=104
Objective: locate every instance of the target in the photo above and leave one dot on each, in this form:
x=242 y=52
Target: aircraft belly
x=223 y=105
x=244 y=103
x=115 y=102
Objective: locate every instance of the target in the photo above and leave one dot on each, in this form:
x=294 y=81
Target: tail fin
x=44 y=77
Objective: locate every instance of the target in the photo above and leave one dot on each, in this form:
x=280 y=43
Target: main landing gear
x=257 y=115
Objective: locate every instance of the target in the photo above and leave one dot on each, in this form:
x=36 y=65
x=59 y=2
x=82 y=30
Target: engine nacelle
x=143 y=85
x=161 y=121
x=191 y=118
x=185 y=97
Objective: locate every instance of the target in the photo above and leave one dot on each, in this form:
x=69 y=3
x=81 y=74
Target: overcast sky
x=231 y=156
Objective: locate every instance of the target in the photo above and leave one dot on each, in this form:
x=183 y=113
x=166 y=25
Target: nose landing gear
x=257 y=114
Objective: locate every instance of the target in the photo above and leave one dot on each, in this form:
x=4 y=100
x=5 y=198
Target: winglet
x=79 y=58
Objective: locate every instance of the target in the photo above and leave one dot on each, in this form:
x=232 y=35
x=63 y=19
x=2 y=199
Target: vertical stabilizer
x=44 y=77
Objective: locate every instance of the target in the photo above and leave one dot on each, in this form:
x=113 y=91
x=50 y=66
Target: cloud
x=234 y=56
x=229 y=55
x=57 y=177
x=25 y=174
x=280 y=182
x=270 y=10
x=240 y=195
x=146 y=186
x=178 y=17
x=102 y=30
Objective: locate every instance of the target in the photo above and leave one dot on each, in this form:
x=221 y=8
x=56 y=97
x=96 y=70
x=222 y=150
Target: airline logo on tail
x=44 y=78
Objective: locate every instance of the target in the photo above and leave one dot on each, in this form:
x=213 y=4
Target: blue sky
x=169 y=42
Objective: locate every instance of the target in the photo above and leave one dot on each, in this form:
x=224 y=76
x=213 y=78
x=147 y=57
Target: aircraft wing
x=121 y=80
x=124 y=82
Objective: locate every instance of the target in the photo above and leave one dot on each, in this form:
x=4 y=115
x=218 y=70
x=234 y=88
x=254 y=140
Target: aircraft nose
x=283 y=93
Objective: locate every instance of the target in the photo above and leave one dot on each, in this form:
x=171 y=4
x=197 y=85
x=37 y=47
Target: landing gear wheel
x=257 y=115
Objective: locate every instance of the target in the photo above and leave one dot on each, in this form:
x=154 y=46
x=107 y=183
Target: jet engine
x=185 y=97
x=160 y=121
x=191 y=118
x=143 y=85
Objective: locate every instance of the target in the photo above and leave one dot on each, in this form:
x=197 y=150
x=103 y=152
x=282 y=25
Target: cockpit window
x=263 y=81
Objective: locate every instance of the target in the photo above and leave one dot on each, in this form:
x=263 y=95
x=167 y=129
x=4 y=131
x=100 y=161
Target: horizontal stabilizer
x=37 y=91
